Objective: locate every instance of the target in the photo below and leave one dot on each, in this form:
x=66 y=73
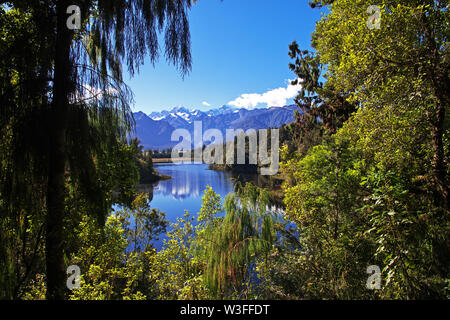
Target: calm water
x=185 y=190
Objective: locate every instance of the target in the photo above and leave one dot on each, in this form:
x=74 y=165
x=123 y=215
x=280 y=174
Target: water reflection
x=190 y=180
x=184 y=191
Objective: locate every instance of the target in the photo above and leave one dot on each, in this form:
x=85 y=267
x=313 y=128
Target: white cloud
x=206 y=104
x=89 y=93
x=272 y=98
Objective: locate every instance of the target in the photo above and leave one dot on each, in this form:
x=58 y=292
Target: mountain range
x=155 y=129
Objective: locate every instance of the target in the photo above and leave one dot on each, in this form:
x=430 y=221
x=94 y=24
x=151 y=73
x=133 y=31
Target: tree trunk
x=438 y=74
x=55 y=272
x=439 y=166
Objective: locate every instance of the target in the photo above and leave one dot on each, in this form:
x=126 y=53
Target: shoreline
x=169 y=160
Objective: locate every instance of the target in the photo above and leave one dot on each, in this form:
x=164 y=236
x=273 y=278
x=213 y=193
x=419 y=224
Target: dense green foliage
x=375 y=192
x=144 y=163
x=364 y=166
x=228 y=245
x=65 y=116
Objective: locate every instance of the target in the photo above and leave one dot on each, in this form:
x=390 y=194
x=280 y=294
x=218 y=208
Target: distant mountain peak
x=139 y=115
x=155 y=129
x=180 y=109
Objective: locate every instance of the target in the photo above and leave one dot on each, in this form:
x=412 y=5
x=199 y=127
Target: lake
x=186 y=189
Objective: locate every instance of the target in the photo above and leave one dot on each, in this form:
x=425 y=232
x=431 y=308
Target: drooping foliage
x=230 y=245
x=65 y=107
x=365 y=166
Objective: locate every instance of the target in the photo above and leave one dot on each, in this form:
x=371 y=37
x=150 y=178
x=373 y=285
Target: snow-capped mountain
x=155 y=130
x=178 y=115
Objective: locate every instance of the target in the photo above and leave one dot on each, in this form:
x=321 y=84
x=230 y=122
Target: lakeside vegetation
x=364 y=168
x=144 y=163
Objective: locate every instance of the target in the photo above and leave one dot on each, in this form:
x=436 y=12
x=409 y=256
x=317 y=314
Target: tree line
x=365 y=164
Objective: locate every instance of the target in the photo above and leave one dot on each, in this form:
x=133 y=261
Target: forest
x=364 y=168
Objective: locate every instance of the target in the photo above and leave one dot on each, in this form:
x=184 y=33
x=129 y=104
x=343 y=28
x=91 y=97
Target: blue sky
x=239 y=47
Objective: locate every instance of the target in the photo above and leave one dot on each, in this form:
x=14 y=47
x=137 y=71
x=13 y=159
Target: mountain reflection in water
x=190 y=180
x=184 y=191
